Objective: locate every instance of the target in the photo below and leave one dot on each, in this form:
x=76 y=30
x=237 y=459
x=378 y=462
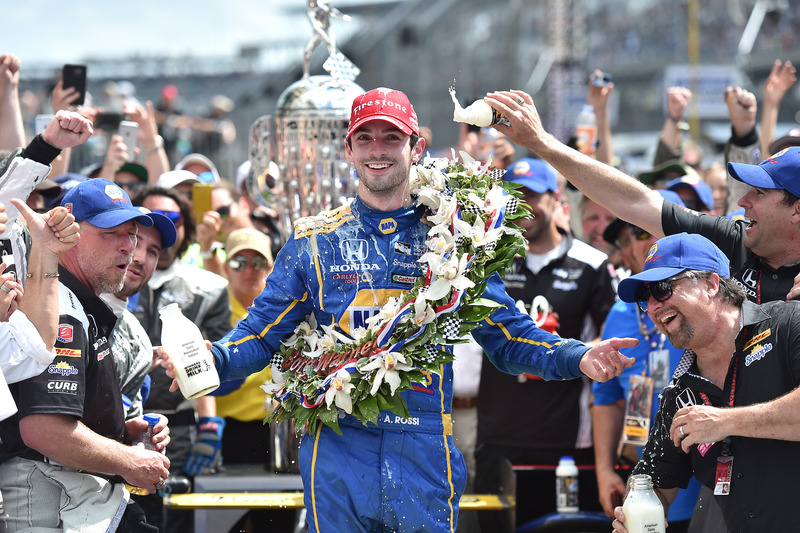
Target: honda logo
x=354 y=250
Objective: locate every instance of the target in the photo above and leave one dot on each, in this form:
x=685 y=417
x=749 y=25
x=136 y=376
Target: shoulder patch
x=325 y=222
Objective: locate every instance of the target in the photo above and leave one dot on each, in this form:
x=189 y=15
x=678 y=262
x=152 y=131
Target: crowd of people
x=647 y=329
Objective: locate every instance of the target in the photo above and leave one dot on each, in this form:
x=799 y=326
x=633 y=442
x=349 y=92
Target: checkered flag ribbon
x=475 y=209
x=452 y=326
x=428 y=354
x=512 y=205
x=341 y=68
x=277 y=359
x=496 y=174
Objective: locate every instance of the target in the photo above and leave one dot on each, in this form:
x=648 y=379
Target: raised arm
x=780 y=80
x=678 y=99
x=12 y=131
x=51 y=234
x=616 y=191
x=598 y=98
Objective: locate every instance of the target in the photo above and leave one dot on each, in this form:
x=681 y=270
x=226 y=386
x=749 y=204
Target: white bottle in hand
x=643 y=510
x=194 y=364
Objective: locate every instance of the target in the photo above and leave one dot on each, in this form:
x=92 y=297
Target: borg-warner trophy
x=305 y=141
x=299 y=165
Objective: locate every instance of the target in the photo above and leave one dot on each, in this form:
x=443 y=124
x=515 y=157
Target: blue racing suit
x=403 y=474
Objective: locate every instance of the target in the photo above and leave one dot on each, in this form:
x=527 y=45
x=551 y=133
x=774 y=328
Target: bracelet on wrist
x=45 y=275
x=679 y=123
x=157 y=146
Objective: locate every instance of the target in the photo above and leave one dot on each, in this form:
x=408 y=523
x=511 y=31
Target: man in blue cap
x=65 y=456
x=731 y=414
x=764 y=249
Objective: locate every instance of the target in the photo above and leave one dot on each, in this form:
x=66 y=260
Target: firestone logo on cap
x=384 y=104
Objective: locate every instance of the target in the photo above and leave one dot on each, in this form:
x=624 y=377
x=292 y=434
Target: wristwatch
x=211 y=252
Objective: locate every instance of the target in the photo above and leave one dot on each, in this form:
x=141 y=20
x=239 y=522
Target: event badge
x=658 y=363
x=637 y=410
x=722 y=487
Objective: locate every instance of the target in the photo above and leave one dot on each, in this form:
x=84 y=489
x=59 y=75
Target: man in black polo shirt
x=66 y=453
x=764 y=250
x=731 y=415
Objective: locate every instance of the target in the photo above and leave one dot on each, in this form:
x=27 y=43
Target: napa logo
x=773 y=157
x=387 y=226
x=651 y=255
x=113 y=192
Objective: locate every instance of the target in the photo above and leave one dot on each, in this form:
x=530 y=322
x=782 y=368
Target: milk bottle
x=642 y=508
x=194 y=364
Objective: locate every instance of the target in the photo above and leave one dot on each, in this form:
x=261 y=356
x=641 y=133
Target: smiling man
x=764 y=252
x=731 y=414
x=402 y=474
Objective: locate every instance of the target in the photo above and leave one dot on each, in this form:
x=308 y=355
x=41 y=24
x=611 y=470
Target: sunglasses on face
x=660 y=290
x=239 y=263
x=174 y=216
x=636 y=232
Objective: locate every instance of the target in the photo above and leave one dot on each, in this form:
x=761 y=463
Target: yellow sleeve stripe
x=317 y=269
x=520 y=339
x=271 y=324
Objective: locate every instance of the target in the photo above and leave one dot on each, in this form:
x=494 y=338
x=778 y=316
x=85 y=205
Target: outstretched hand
x=604 y=360
x=524 y=123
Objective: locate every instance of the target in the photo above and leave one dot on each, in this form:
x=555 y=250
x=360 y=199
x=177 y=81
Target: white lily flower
x=387 y=312
x=387 y=365
x=477 y=231
x=339 y=391
x=496 y=198
x=450 y=276
x=423 y=312
x=444 y=213
x=440 y=239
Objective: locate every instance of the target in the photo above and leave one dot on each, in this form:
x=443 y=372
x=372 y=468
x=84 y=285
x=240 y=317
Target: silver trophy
x=299 y=165
x=305 y=141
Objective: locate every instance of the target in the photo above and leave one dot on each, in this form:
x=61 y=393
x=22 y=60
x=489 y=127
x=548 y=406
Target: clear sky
x=56 y=32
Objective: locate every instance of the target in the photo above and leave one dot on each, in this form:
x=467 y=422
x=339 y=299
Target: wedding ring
x=160 y=482
x=520 y=101
x=681 y=430
x=5 y=289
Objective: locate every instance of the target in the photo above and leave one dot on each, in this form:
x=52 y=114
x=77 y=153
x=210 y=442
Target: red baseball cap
x=383 y=104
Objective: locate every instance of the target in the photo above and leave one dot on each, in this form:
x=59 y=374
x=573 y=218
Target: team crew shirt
x=765 y=366
x=761 y=282
x=81 y=381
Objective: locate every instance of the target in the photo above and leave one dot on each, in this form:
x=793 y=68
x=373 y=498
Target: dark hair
x=729 y=291
x=184 y=206
x=788 y=198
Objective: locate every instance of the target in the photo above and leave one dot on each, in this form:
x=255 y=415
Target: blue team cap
x=701 y=188
x=102 y=204
x=164 y=226
x=533 y=174
x=671 y=256
x=778 y=171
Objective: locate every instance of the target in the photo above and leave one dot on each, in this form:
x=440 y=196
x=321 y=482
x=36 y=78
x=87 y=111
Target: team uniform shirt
x=765 y=366
x=577 y=283
x=624 y=320
x=81 y=381
x=343 y=265
x=761 y=282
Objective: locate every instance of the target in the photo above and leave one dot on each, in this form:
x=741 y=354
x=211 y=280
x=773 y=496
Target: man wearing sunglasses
x=613 y=405
x=764 y=250
x=730 y=415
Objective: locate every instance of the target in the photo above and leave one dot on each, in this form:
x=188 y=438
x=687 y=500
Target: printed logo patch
x=62 y=368
x=758 y=353
x=758 y=338
x=67 y=352
x=387 y=226
x=64 y=333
